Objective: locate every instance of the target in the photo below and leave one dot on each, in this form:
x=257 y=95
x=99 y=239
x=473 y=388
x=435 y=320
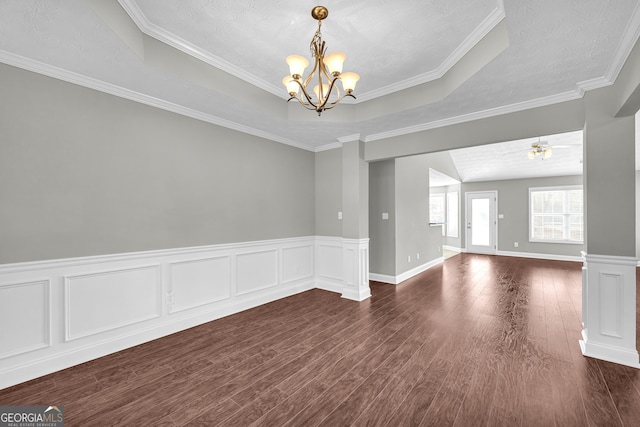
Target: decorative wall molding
x=609 y=309
x=93 y=306
x=355 y=268
x=192 y=282
x=102 y=301
x=328 y=263
x=27 y=304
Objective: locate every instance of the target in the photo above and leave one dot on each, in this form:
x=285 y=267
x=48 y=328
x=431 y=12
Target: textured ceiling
x=508 y=160
x=556 y=51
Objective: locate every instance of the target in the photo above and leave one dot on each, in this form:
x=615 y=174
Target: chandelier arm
x=307 y=106
x=307 y=96
x=333 y=83
x=304 y=92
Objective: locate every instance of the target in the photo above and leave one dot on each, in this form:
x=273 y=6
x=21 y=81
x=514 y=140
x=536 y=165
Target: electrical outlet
x=515 y=244
x=418 y=255
x=409 y=258
x=339 y=215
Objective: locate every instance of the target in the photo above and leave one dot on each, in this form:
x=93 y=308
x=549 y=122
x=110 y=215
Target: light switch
x=385 y=215
x=500 y=216
x=339 y=215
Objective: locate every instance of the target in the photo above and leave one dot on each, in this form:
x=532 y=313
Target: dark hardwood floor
x=478 y=340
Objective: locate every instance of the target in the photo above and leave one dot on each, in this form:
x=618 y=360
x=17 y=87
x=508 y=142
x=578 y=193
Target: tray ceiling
x=222 y=62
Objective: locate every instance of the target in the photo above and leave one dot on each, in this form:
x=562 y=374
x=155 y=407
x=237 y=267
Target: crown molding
x=493 y=19
x=111 y=89
x=626 y=44
x=152 y=30
x=328 y=147
x=349 y=138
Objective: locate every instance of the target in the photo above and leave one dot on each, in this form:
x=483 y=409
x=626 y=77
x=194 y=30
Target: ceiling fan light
x=297 y=64
x=291 y=85
x=349 y=80
x=334 y=62
x=531 y=155
x=548 y=152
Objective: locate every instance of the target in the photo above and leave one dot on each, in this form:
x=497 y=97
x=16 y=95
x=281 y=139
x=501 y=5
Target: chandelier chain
x=316 y=41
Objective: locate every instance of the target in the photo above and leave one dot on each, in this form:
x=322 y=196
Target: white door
x=481 y=222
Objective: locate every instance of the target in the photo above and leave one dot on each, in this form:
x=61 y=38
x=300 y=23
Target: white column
x=609 y=309
x=355 y=256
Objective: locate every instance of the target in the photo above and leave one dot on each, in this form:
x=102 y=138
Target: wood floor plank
x=478 y=340
x=293 y=405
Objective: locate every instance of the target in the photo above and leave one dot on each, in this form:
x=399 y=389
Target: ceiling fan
x=540 y=148
x=543 y=149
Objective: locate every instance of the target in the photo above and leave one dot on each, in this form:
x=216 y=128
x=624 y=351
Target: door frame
x=493 y=205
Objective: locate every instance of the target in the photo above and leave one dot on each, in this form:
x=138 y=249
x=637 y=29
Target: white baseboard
x=382 y=278
x=453 y=248
x=540 y=256
x=395 y=280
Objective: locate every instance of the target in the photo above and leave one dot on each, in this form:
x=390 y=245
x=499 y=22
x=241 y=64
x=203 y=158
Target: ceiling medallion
x=327 y=70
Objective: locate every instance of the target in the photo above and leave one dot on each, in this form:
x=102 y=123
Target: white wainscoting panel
x=297 y=263
x=329 y=264
x=609 y=309
x=199 y=282
x=107 y=300
x=611 y=304
x=256 y=271
x=24 y=317
x=65 y=312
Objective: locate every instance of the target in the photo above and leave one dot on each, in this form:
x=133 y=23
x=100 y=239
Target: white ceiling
x=556 y=50
x=509 y=160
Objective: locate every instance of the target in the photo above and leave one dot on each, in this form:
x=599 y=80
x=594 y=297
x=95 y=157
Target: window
x=452 y=214
x=437 y=210
x=556 y=214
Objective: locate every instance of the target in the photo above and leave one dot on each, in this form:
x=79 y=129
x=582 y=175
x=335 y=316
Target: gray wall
x=85 y=173
x=637 y=214
x=382 y=233
x=414 y=236
x=328 y=186
x=513 y=203
x=401 y=188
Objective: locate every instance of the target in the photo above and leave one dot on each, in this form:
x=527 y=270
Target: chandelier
x=327 y=70
x=539 y=149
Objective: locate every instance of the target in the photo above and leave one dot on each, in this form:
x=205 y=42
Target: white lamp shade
x=349 y=80
x=290 y=84
x=325 y=89
x=297 y=64
x=334 y=61
x=548 y=152
x=531 y=155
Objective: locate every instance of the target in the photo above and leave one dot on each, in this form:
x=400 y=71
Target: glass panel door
x=481 y=222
